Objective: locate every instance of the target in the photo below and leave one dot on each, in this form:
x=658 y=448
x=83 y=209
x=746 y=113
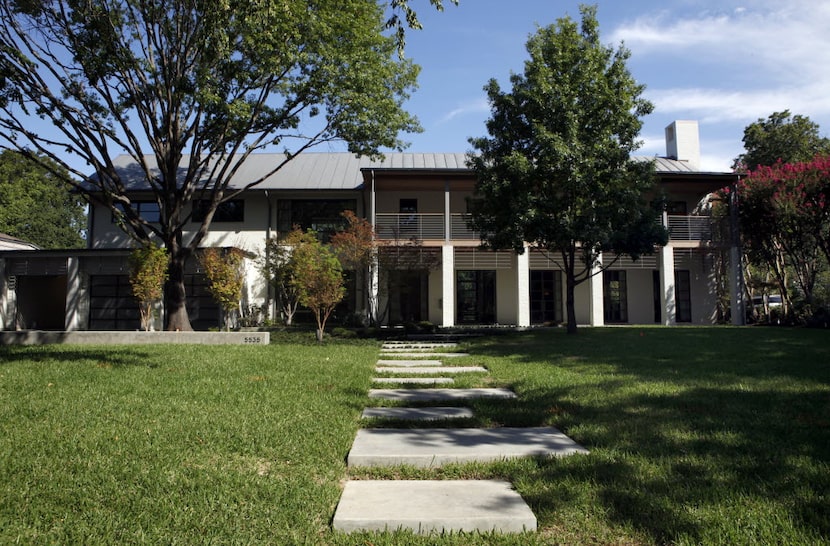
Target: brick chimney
x=683 y=142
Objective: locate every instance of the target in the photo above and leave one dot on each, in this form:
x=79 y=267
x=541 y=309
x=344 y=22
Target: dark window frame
x=228 y=212
x=149 y=211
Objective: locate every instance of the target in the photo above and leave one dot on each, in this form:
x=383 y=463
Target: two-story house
x=431 y=266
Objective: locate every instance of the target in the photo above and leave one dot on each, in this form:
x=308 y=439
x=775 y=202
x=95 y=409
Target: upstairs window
x=147 y=210
x=229 y=211
x=322 y=215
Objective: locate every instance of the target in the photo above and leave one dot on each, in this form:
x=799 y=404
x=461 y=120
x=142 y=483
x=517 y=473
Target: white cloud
x=474 y=106
x=766 y=56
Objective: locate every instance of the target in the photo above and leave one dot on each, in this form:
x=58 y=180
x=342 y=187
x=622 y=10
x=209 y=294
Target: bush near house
x=226 y=278
x=148 y=273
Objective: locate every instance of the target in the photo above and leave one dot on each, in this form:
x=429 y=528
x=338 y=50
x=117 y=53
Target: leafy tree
x=320 y=285
x=36 y=204
x=280 y=267
x=357 y=248
x=201 y=85
x=782 y=137
x=556 y=170
x=224 y=269
x=148 y=272
x=784 y=217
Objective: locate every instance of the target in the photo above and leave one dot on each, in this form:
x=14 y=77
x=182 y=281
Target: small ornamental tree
x=148 y=273
x=280 y=268
x=320 y=284
x=357 y=247
x=226 y=277
x=785 y=223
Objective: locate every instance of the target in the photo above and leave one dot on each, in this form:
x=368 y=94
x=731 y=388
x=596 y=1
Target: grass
x=697 y=436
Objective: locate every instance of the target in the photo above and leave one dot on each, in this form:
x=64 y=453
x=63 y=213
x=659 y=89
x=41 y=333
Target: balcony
x=430 y=227
x=689 y=228
x=408 y=226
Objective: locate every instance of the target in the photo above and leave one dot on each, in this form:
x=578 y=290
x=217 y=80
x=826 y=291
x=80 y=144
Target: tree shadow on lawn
x=657 y=459
x=717 y=353
x=682 y=423
x=106 y=358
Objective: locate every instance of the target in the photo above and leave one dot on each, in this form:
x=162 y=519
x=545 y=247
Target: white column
x=374 y=286
x=597 y=304
x=668 y=304
x=447 y=286
x=523 y=288
x=447 y=214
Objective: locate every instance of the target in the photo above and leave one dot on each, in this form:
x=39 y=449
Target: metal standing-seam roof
x=342 y=170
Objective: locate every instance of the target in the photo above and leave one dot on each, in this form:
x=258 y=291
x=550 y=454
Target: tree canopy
x=36 y=205
x=784 y=217
x=782 y=137
x=199 y=86
x=556 y=170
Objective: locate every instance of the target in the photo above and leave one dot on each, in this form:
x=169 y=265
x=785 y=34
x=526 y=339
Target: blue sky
x=724 y=63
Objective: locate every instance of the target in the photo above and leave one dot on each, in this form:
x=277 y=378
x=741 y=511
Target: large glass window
x=147 y=210
x=545 y=296
x=615 y=295
x=683 y=295
x=321 y=215
x=476 y=297
x=229 y=211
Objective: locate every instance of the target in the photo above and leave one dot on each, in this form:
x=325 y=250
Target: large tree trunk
x=176 y=298
x=570 y=299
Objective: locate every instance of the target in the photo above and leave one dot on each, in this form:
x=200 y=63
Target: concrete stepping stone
x=436 y=395
x=417 y=345
x=430 y=448
x=432 y=506
x=409 y=363
x=396 y=354
x=437 y=369
x=418 y=414
x=414 y=380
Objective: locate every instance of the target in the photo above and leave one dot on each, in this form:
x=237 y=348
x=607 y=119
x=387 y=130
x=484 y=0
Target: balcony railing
x=406 y=226
x=689 y=228
x=430 y=226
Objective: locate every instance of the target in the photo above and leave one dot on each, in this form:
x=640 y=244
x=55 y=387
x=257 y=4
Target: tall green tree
x=782 y=137
x=200 y=85
x=36 y=205
x=556 y=171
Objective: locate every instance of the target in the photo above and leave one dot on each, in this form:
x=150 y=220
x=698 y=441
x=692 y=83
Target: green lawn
x=697 y=435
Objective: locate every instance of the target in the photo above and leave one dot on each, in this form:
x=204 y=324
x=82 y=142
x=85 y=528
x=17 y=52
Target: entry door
x=475 y=297
x=615 y=293
x=545 y=296
x=408 y=292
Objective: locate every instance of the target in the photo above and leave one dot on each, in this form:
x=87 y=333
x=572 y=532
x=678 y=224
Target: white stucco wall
x=640 y=296
x=506 y=296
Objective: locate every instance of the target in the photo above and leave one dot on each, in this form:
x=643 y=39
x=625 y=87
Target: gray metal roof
x=342 y=171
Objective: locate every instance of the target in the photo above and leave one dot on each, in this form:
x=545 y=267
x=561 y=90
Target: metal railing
x=430 y=226
x=689 y=228
x=406 y=226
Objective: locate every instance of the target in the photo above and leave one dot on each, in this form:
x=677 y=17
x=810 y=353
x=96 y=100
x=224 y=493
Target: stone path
x=437 y=506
